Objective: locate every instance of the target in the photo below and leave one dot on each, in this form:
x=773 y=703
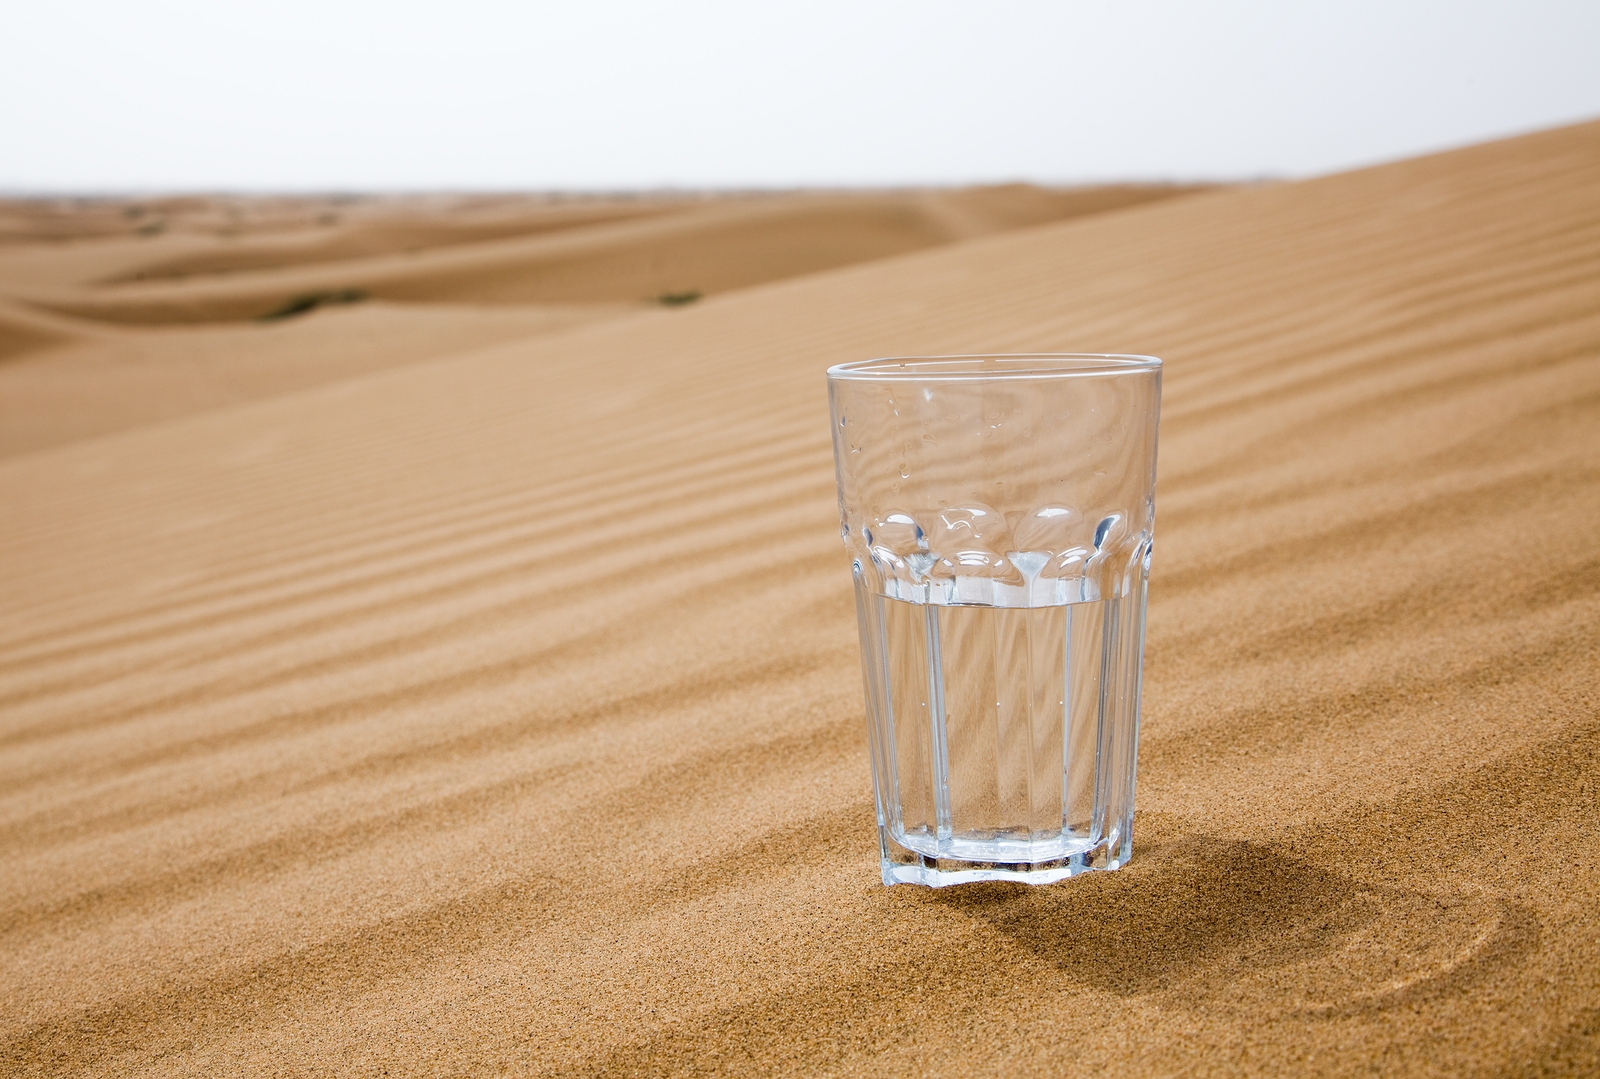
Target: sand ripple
x=499 y=713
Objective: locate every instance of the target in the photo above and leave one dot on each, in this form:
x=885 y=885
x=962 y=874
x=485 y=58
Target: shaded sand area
x=499 y=713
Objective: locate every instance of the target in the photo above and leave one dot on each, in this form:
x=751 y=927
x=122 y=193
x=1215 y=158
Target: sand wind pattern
x=500 y=713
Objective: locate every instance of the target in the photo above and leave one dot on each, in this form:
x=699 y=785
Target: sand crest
x=499 y=713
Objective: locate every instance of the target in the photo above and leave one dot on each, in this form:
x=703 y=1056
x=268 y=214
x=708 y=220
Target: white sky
x=175 y=94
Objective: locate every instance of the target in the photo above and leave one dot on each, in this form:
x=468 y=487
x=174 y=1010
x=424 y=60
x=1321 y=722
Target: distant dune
x=463 y=680
x=22 y=330
x=180 y=319
x=607 y=251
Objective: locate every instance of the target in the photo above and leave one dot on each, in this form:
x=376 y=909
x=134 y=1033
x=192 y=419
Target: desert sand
x=396 y=280
x=463 y=681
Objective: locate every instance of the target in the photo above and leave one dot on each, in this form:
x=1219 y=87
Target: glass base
x=902 y=865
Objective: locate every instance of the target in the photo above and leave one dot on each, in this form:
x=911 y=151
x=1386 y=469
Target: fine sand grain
x=499 y=713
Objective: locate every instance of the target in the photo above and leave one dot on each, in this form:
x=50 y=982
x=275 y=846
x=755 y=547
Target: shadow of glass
x=1236 y=929
x=1189 y=915
x=1204 y=922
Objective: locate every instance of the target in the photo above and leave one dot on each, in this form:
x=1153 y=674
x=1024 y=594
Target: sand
x=161 y=308
x=498 y=711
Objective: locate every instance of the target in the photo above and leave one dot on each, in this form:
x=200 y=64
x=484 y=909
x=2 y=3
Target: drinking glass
x=999 y=512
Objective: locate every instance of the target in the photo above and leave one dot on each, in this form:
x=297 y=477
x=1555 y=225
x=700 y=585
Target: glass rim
x=994 y=365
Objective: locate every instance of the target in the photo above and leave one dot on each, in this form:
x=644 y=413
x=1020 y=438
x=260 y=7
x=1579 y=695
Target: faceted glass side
x=1000 y=531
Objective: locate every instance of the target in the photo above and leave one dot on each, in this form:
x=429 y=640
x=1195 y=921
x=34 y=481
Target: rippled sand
x=483 y=698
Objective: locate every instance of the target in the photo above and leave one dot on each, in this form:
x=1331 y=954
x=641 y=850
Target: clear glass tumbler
x=999 y=511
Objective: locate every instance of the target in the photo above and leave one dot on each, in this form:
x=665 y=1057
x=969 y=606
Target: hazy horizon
x=179 y=96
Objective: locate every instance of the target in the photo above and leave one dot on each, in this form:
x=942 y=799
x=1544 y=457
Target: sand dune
x=147 y=317
x=500 y=713
x=23 y=330
x=610 y=253
x=97 y=380
x=417 y=231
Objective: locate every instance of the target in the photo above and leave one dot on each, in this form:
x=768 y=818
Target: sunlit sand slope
x=501 y=714
x=96 y=380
